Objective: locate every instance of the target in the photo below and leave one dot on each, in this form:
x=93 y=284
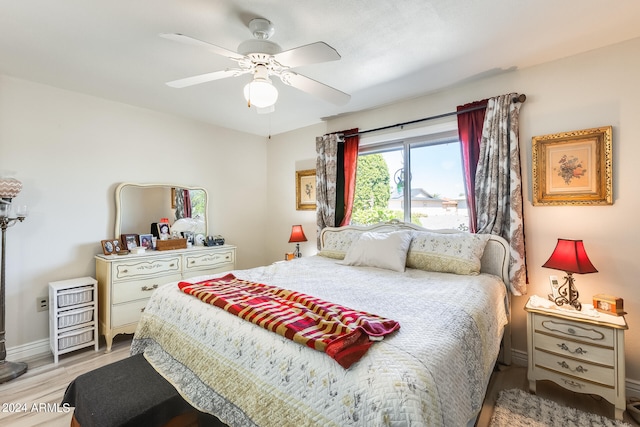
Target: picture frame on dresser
x=146 y=241
x=129 y=241
x=108 y=248
x=573 y=168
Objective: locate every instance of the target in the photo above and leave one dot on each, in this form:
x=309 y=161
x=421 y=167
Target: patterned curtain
x=326 y=178
x=499 y=186
x=179 y=201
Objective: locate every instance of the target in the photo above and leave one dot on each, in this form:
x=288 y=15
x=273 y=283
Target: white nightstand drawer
x=568 y=347
x=583 y=332
x=123 y=314
x=212 y=260
x=575 y=368
x=139 y=289
x=144 y=268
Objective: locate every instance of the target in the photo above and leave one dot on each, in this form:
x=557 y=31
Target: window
x=418 y=179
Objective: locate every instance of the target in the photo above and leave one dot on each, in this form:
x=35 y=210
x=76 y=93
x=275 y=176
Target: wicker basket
x=165 y=245
x=75 y=296
x=75 y=317
x=75 y=338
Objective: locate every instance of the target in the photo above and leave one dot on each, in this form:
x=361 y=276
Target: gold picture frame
x=306 y=190
x=573 y=168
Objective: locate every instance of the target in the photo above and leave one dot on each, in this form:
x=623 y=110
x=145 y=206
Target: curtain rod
x=520 y=98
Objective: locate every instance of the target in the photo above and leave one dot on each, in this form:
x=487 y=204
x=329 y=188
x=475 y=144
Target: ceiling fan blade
x=315 y=88
x=204 y=78
x=308 y=54
x=181 y=38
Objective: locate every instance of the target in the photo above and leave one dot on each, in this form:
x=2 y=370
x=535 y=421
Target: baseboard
x=521 y=358
x=28 y=350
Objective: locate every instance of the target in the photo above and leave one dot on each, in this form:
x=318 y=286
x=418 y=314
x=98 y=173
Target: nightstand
x=579 y=352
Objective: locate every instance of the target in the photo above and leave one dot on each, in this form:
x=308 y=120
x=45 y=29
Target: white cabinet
x=580 y=353
x=126 y=282
x=73 y=314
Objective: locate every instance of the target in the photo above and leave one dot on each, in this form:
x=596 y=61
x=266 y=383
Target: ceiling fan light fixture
x=260 y=93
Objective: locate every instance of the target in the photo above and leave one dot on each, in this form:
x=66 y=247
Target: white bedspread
x=432 y=372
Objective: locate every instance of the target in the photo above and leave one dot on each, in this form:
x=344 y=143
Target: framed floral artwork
x=573 y=168
x=306 y=190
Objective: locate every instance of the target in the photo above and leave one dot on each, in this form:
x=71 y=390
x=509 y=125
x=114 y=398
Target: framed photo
x=190 y=236
x=306 y=190
x=164 y=231
x=108 y=248
x=146 y=241
x=573 y=168
x=129 y=241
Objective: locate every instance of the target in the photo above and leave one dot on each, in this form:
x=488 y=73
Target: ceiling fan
x=263 y=59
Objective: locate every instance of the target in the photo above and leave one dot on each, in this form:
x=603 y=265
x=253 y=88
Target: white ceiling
x=391 y=50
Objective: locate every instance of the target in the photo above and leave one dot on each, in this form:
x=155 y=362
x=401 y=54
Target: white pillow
x=381 y=250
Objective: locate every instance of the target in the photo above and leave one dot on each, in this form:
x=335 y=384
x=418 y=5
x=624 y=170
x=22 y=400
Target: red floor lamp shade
x=297 y=236
x=569 y=256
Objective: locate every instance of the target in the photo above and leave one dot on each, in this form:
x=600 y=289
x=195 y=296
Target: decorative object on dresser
x=580 y=351
x=297 y=236
x=73 y=315
x=9 y=188
x=569 y=256
x=609 y=304
x=573 y=168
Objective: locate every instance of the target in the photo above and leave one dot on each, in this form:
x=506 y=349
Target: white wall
x=597 y=88
x=71 y=150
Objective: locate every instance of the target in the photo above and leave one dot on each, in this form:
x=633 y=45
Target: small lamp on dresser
x=297 y=236
x=569 y=256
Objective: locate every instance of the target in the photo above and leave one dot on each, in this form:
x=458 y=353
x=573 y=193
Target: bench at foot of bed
x=130 y=393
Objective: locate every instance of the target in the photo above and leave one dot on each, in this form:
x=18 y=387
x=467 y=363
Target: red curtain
x=470 y=133
x=187 y=204
x=351 y=144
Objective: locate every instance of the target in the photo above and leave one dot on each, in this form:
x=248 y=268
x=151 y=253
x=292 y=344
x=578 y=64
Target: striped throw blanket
x=343 y=333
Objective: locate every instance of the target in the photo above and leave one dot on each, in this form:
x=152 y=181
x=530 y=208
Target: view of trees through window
x=434 y=196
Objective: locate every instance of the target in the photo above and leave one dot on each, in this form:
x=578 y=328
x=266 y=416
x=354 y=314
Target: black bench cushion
x=127 y=393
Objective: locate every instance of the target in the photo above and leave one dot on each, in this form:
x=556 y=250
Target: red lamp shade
x=570 y=256
x=297 y=234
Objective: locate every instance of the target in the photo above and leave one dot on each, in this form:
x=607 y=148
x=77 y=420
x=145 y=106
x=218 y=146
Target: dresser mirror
x=140 y=205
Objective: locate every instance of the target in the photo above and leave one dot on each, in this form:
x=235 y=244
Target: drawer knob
x=578 y=369
x=572 y=383
x=571 y=331
x=578 y=350
x=149 y=288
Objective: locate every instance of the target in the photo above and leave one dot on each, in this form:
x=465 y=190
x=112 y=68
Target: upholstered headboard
x=495 y=259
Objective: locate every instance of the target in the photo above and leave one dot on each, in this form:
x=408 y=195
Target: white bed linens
x=432 y=372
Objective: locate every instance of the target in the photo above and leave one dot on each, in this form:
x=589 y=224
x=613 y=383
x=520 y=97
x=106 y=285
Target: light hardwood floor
x=36 y=393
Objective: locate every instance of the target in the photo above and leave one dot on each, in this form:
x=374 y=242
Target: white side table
x=577 y=351
x=73 y=315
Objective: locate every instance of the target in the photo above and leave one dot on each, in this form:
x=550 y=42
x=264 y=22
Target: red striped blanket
x=343 y=333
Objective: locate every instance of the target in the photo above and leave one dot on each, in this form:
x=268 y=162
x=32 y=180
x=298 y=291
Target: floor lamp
x=9 y=188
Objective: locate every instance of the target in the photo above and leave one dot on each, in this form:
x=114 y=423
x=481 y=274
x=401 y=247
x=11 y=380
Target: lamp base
x=11 y=370
x=567 y=294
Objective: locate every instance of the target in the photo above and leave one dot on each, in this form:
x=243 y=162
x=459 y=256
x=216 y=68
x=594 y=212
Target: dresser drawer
x=575 y=368
x=139 y=289
x=569 y=347
x=209 y=261
x=142 y=269
x=582 y=332
x=124 y=314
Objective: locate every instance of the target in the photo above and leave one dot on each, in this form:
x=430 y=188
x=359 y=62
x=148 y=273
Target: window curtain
x=336 y=165
x=470 y=123
x=350 y=165
x=183 y=203
x=498 y=184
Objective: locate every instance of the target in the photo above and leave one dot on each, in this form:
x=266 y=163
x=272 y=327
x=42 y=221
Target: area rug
x=518 y=408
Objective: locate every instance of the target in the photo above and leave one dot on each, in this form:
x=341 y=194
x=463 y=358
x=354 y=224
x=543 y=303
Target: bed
x=433 y=371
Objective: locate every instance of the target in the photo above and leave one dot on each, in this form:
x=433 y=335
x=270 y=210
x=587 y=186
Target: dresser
x=579 y=352
x=125 y=282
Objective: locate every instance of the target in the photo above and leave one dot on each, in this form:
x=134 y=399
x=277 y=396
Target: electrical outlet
x=42 y=303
